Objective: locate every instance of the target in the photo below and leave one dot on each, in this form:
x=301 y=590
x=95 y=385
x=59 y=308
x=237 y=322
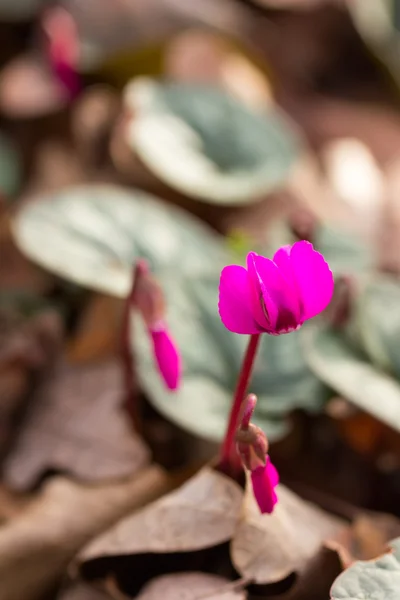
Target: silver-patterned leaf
x=351 y=375
x=94 y=233
x=345 y=253
x=212 y=356
x=206 y=144
x=377 y=579
x=378 y=322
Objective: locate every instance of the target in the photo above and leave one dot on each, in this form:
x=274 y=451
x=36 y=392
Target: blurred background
x=189 y=132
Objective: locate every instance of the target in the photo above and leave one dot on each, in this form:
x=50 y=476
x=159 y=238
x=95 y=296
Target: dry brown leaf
x=368 y=536
x=267 y=548
x=81 y=591
x=36 y=547
x=191 y=586
x=77 y=425
x=200 y=514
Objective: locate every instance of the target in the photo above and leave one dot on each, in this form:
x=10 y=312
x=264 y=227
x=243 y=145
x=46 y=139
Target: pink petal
x=277 y=292
x=272 y=472
x=265 y=318
x=235 y=306
x=167 y=357
x=314 y=278
x=263 y=489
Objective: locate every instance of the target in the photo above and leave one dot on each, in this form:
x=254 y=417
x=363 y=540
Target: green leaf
x=345 y=253
x=378 y=23
x=378 y=322
x=377 y=579
x=92 y=234
x=351 y=375
x=206 y=144
x=10 y=174
x=212 y=357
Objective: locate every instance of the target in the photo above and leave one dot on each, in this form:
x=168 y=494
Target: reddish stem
x=127 y=358
x=228 y=462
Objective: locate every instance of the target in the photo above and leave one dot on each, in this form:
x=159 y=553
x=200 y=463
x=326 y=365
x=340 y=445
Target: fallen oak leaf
x=202 y=513
x=77 y=425
x=36 y=546
x=267 y=548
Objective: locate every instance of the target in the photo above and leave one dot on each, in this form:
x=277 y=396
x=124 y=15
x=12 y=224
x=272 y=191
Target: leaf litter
x=77 y=425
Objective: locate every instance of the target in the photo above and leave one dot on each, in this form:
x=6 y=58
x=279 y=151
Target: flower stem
x=127 y=359
x=228 y=462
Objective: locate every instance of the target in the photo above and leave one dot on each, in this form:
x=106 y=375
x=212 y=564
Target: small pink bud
x=167 y=357
x=264 y=480
x=252 y=446
x=148 y=298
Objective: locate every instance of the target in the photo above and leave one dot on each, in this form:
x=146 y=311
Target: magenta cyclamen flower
x=275 y=296
x=147 y=297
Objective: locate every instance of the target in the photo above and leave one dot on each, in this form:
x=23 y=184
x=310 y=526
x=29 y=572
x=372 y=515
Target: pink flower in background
x=264 y=480
x=275 y=296
x=63 y=47
x=148 y=298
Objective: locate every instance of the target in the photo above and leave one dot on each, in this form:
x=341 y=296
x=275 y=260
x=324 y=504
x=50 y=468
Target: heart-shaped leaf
x=211 y=358
x=207 y=144
x=267 y=548
x=94 y=233
x=379 y=24
x=345 y=253
x=351 y=375
x=378 y=579
x=378 y=322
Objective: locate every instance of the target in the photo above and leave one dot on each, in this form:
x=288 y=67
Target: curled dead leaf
x=81 y=591
x=368 y=537
x=267 y=548
x=200 y=514
x=37 y=545
x=77 y=425
x=191 y=586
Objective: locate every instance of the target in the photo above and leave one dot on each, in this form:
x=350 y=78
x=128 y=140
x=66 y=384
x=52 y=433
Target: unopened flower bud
x=148 y=298
x=252 y=447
